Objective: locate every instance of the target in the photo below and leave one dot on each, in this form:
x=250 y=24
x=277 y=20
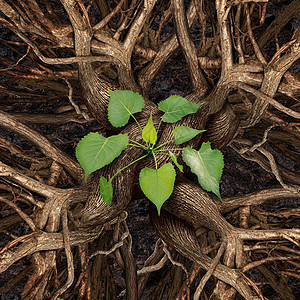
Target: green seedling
x=94 y=151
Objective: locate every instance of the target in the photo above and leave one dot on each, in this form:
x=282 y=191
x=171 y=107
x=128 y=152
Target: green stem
x=164 y=144
x=179 y=149
x=159 y=124
x=128 y=166
x=140 y=145
x=134 y=145
x=154 y=160
x=136 y=121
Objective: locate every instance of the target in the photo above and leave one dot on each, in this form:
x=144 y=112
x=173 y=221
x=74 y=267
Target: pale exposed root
x=243 y=82
x=67 y=246
x=181 y=236
x=208 y=274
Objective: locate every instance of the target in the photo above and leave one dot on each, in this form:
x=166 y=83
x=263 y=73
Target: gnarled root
x=181 y=237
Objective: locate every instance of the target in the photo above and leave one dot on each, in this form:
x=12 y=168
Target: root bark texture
x=68 y=55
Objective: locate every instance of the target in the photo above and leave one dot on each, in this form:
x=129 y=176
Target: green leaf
x=158 y=184
x=106 y=190
x=149 y=134
x=94 y=151
x=207 y=164
x=176 y=107
x=184 y=133
x=122 y=105
x=174 y=158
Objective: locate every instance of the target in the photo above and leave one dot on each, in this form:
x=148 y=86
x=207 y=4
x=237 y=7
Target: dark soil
x=239 y=177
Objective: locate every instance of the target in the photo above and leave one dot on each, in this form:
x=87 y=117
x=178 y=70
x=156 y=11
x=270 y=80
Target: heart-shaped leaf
x=149 y=134
x=207 y=164
x=106 y=190
x=174 y=158
x=94 y=151
x=184 y=133
x=122 y=105
x=176 y=107
x=158 y=184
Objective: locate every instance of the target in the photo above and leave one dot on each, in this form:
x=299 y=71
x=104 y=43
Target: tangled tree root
x=77 y=244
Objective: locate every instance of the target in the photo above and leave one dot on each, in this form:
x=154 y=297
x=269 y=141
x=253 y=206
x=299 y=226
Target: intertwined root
x=181 y=237
x=224 y=259
x=76 y=242
x=184 y=217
